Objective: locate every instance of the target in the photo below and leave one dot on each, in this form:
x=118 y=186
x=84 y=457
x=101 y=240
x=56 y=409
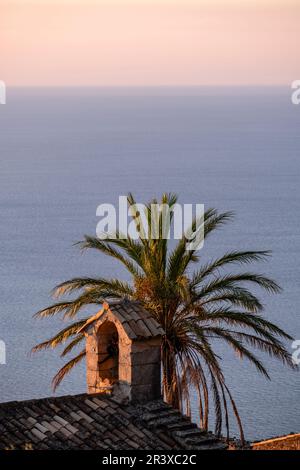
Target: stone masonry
x=123 y=357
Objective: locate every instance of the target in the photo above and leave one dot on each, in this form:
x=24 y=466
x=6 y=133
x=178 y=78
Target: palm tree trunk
x=170 y=385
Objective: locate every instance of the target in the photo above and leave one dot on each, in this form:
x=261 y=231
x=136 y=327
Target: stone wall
x=102 y=373
x=134 y=374
x=289 y=442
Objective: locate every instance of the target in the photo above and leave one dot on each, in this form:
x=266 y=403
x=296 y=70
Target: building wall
x=290 y=442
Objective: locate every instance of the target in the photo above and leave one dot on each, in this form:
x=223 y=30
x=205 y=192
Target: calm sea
x=65 y=151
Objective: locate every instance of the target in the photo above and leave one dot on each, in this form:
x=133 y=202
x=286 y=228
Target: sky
x=149 y=43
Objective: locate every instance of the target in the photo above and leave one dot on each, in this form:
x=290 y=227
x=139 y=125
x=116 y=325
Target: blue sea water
x=65 y=151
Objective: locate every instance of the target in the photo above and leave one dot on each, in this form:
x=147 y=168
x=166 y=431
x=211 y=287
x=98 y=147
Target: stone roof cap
x=99 y=422
x=137 y=322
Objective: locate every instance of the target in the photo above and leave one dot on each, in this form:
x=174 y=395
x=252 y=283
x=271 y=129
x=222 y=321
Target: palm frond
x=53 y=309
x=121 y=288
x=77 y=340
x=106 y=247
x=235 y=296
x=228 y=281
x=60 y=337
x=66 y=369
x=233 y=257
x=246 y=320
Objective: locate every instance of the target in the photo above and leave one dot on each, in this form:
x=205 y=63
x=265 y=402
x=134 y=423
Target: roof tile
x=72 y=423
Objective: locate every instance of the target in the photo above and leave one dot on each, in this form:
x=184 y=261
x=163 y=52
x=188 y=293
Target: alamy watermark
x=2 y=352
x=295 y=97
x=159 y=221
x=296 y=353
x=2 y=92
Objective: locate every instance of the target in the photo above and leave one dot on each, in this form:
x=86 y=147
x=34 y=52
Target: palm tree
x=195 y=308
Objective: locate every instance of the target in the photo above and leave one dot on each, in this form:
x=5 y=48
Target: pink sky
x=158 y=42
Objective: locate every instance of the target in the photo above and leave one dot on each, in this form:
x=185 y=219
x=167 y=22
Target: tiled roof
x=94 y=422
x=136 y=321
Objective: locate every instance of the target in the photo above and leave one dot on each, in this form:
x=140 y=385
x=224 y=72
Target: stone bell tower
x=123 y=352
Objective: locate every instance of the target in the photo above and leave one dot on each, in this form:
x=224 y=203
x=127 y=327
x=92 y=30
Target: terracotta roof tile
x=136 y=321
x=71 y=422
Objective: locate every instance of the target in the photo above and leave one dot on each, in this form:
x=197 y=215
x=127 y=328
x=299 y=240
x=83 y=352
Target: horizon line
x=258 y=85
